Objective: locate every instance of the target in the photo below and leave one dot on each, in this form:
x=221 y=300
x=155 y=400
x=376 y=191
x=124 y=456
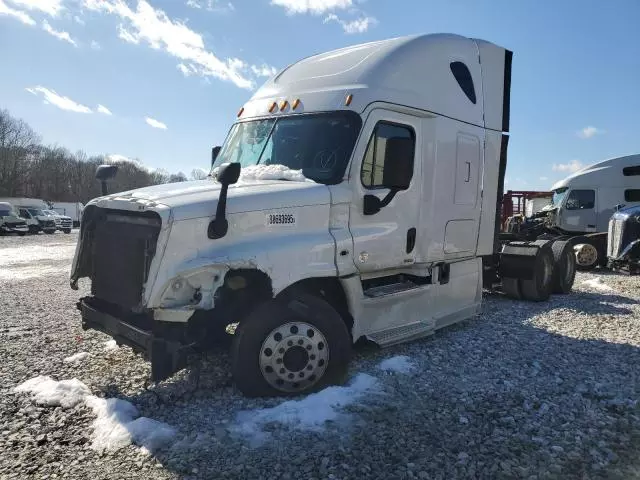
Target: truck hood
x=197 y=199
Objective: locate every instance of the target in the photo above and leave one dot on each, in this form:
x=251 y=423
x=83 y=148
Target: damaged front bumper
x=164 y=345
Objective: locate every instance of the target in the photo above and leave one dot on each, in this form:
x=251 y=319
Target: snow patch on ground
x=53 y=393
x=110 y=345
x=309 y=413
x=253 y=173
x=27 y=254
x=77 y=357
x=397 y=364
x=597 y=284
x=24 y=272
x=117 y=422
x=22 y=263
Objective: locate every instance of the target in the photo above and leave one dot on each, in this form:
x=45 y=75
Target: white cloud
x=95 y=45
x=103 y=109
x=78 y=20
x=155 y=123
x=544 y=179
x=359 y=25
x=53 y=98
x=264 y=70
x=59 y=35
x=572 y=166
x=6 y=10
x=50 y=7
x=588 y=132
x=146 y=25
x=210 y=5
x=316 y=7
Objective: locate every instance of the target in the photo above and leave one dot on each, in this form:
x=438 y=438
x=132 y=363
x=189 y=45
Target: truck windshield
x=318 y=144
x=558 y=196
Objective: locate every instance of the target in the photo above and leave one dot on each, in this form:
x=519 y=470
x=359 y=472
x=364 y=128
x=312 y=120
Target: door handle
x=468 y=171
x=411 y=239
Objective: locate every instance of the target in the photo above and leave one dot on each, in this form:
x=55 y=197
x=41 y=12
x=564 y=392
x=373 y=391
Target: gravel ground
x=522 y=391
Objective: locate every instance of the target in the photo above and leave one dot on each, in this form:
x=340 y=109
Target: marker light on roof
x=295 y=103
x=347 y=102
x=283 y=105
x=240 y=111
x=272 y=107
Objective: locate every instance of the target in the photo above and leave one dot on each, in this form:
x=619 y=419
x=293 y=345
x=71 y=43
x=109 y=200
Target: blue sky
x=162 y=80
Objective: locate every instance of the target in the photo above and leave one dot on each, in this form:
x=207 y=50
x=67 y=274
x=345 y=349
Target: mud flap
x=166 y=358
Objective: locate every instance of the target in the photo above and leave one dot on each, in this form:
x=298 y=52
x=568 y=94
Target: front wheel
x=66 y=230
x=289 y=347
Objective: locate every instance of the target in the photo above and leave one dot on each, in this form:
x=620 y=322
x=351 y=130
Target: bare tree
x=53 y=173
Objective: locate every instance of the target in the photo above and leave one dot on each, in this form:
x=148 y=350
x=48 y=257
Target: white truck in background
x=357 y=196
x=31 y=211
x=583 y=204
x=10 y=222
x=69 y=209
x=63 y=223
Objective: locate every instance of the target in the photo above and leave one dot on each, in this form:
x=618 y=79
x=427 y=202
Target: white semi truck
x=583 y=204
x=356 y=197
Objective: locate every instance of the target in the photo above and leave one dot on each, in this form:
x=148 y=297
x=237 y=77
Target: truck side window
x=24 y=213
x=632 y=195
x=463 y=77
x=581 y=200
x=631 y=171
x=373 y=164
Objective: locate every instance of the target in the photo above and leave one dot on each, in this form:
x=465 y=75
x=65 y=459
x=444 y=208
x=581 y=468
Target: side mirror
x=228 y=173
x=104 y=173
x=398 y=163
x=214 y=154
x=397 y=174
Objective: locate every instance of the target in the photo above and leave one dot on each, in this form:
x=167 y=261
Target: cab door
x=580 y=211
x=385 y=239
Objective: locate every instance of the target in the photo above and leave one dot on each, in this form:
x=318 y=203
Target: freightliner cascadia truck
x=356 y=196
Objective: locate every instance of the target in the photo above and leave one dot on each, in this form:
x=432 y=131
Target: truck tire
x=587 y=253
x=538 y=289
x=564 y=272
x=22 y=234
x=290 y=347
x=66 y=230
x=511 y=288
x=49 y=232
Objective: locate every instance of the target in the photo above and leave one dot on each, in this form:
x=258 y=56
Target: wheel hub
x=586 y=254
x=294 y=357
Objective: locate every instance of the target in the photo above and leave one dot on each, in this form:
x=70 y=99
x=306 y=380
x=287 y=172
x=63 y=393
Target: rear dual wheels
x=564 y=273
x=553 y=271
x=289 y=347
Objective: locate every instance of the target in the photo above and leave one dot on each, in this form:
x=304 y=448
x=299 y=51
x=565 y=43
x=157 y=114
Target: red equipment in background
x=513 y=202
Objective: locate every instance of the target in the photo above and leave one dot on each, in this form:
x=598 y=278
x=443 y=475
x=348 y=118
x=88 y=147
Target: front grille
x=66 y=223
x=48 y=223
x=616 y=228
x=123 y=247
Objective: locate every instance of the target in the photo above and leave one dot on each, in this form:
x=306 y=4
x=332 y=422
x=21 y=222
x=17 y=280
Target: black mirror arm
x=218 y=226
x=387 y=199
x=373 y=204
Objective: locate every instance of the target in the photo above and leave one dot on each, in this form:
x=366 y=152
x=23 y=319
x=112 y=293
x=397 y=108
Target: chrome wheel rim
x=586 y=254
x=294 y=357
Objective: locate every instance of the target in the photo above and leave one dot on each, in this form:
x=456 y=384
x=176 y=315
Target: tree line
x=53 y=173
